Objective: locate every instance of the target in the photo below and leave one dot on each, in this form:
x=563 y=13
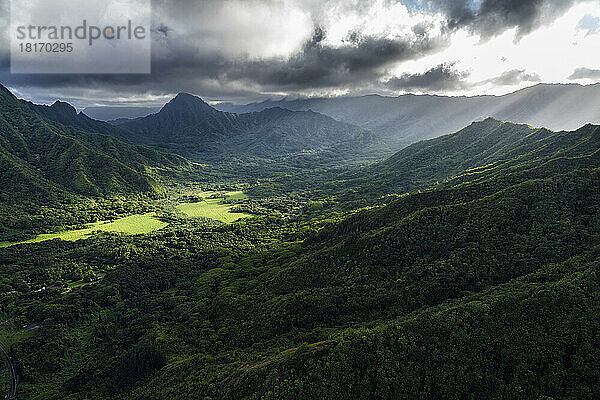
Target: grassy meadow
x=212 y=207
x=133 y=225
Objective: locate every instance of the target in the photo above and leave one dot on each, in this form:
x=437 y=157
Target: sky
x=250 y=50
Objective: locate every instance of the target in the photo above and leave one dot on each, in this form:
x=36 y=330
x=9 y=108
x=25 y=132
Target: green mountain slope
x=137 y=156
x=485 y=286
x=447 y=293
x=47 y=164
x=482 y=146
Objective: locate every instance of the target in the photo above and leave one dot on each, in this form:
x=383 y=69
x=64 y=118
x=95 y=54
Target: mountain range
x=330 y=131
x=189 y=126
x=489 y=145
x=480 y=282
x=409 y=118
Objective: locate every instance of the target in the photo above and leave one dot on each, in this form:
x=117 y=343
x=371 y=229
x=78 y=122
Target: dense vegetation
x=54 y=175
x=484 y=285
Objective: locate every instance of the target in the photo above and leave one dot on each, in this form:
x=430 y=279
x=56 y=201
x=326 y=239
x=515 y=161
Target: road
x=13 y=375
x=11 y=368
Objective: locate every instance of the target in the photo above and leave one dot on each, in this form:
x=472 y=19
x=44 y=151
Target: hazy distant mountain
x=113 y=113
x=189 y=126
x=409 y=118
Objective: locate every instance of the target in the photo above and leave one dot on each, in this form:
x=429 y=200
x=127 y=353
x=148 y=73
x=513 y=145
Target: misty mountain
x=113 y=113
x=409 y=118
x=189 y=126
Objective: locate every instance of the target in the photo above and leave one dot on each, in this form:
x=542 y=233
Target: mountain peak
x=486 y=121
x=185 y=95
x=185 y=102
x=187 y=98
x=63 y=108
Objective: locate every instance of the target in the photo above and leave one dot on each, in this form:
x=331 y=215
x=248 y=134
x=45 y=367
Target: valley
x=293 y=256
x=300 y=200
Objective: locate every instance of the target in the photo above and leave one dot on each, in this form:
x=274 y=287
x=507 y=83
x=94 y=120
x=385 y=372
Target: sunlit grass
x=213 y=209
x=239 y=195
x=133 y=225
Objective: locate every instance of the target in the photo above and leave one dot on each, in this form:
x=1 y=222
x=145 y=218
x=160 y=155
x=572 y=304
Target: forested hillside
x=47 y=164
x=483 y=286
x=300 y=200
x=487 y=145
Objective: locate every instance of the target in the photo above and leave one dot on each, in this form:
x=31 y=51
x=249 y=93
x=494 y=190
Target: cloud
x=513 y=77
x=245 y=50
x=492 y=17
x=445 y=77
x=585 y=73
x=321 y=65
x=179 y=65
x=440 y=78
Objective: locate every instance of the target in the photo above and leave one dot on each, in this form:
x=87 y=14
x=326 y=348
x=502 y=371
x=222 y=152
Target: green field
x=214 y=208
x=229 y=195
x=239 y=195
x=134 y=225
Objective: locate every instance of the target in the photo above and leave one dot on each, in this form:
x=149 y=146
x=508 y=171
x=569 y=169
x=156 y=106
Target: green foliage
x=482 y=286
x=47 y=168
x=138 y=361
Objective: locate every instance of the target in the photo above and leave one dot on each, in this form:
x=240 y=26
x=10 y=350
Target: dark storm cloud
x=440 y=78
x=180 y=65
x=585 y=73
x=513 y=77
x=195 y=49
x=492 y=17
x=314 y=65
x=319 y=65
x=445 y=77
